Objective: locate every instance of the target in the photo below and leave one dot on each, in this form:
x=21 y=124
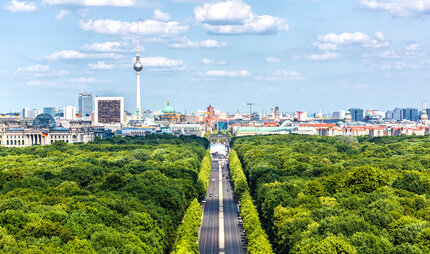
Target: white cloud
x=109 y=46
x=186 y=43
x=162 y=63
x=162 y=16
x=231 y=74
x=325 y=46
x=236 y=17
x=329 y=41
x=413 y=47
x=72 y=54
x=273 y=60
x=409 y=51
x=17 y=6
x=62 y=14
x=83 y=80
x=229 y=12
x=147 y=27
x=35 y=68
x=400 y=8
x=281 y=76
x=323 y=56
x=100 y=65
x=119 y=3
x=207 y=61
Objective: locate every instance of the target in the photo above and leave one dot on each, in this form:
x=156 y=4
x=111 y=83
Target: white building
x=70 y=113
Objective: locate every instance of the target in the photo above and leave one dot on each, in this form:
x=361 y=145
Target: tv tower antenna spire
x=138 y=67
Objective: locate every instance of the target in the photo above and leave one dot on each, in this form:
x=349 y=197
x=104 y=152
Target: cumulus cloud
x=162 y=16
x=273 y=60
x=118 y=3
x=162 y=64
x=62 y=14
x=73 y=55
x=186 y=43
x=332 y=40
x=100 y=65
x=147 y=27
x=109 y=46
x=83 y=80
x=17 y=6
x=207 y=61
x=236 y=17
x=281 y=76
x=231 y=74
x=400 y=8
x=323 y=56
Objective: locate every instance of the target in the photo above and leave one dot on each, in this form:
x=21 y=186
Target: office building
x=410 y=114
x=50 y=111
x=356 y=114
x=70 y=113
x=109 y=110
x=85 y=104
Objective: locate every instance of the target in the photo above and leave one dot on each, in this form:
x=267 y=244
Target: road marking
x=221 y=214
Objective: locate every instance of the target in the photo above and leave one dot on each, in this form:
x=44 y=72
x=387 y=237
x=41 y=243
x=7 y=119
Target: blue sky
x=302 y=55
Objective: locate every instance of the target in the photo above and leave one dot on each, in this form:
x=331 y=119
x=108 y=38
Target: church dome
x=168 y=108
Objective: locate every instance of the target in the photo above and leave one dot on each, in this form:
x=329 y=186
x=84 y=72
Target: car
x=210 y=195
x=216 y=195
x=228 y=189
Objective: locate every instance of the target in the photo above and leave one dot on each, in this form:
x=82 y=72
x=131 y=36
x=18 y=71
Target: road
x=221 y=209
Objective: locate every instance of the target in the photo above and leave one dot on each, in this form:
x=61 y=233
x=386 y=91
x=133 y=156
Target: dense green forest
x=340 y=194
x=120 y=195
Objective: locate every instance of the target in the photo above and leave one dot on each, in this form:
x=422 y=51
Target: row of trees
x=188 y=234
x=257 y=239
x=120 y=195
x=340 y=194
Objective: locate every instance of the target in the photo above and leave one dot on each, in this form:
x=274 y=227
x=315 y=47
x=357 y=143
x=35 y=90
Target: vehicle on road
x=228 y=189
x=210 y=195
x=216 y=195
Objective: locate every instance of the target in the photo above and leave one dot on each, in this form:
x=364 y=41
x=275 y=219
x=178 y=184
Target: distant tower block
x=424 y=116
x=348 y=117
x=138 y=67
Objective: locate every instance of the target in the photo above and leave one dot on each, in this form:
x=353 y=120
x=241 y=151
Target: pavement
x=221 y=231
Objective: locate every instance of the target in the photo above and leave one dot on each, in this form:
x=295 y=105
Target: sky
x=311 y=55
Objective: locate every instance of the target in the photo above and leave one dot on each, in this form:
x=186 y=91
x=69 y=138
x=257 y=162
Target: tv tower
x=138 y=67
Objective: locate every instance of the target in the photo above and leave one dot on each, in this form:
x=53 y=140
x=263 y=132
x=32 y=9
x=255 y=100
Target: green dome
x=168 y=109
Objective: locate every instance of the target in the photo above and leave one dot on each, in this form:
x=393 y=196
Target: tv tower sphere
x=138 y=66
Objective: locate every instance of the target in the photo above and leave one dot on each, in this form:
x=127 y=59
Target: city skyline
x=300 y=55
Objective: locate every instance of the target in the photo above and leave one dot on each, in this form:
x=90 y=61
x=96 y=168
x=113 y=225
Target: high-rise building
x=356 y=114
x=109 y=110
x=398 y=114
x=85 y=104
x=70 y=113
x=339 y=114
x=24 y=112
x=50 y=111
x=30 y=113
x=410 y=114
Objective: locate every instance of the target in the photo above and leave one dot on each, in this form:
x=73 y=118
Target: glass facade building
x=85 y=104
x=356 y=114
